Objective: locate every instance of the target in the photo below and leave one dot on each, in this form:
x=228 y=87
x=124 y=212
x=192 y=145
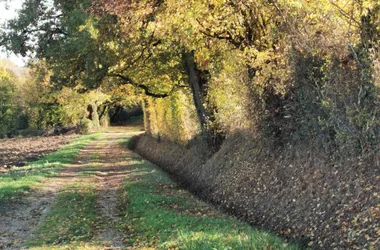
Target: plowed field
x=19 y=151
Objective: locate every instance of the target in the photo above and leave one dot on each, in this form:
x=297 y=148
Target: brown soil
x=19 y=151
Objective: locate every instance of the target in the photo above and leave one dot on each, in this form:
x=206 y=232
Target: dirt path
x=104 y=156
x=110 y=176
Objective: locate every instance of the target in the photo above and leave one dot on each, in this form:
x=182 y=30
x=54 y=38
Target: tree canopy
x=285 y=68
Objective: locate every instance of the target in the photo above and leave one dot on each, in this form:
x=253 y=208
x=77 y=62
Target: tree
x=286 y=56
x=7 y=110
x=12 y=115
x=79 y=48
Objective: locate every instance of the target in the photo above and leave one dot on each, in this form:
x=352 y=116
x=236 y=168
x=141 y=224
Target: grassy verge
x=19 y=180
x=70 y=221
x=160 y=215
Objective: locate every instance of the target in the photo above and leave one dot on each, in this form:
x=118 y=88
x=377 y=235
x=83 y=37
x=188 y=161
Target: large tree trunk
x=147 y=116
x=198 y=85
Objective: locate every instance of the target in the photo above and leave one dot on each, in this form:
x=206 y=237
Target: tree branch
x=144 y=49
x=228 y=37
x=345 y=14
x=146 y=89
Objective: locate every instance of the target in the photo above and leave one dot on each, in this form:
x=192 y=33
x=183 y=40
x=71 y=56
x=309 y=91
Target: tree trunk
x=93 y=115
x=198 y=83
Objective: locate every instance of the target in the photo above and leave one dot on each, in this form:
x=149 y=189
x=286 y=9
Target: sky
x=9 y=11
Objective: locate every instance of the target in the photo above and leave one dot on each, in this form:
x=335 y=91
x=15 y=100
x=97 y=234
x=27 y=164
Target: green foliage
x=229 y=93
x=85 y=126
x=12 y=116
x=296 y=78
x=7 y=110
x=291 y=71
x=45 y=107
x=171 y=118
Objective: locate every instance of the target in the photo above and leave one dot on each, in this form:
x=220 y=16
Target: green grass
x=21 y=179
x=151 y=220
x=71 y=219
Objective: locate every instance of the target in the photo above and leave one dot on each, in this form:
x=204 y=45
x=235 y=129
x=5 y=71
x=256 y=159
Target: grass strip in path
x=161 y=215
x=70 y=221
x=74 y=220
x=21 y=179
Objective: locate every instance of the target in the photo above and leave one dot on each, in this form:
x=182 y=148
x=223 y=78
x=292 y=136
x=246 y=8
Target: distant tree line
x=30 y=104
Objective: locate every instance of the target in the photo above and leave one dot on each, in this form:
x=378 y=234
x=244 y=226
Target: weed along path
x=107 y=197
